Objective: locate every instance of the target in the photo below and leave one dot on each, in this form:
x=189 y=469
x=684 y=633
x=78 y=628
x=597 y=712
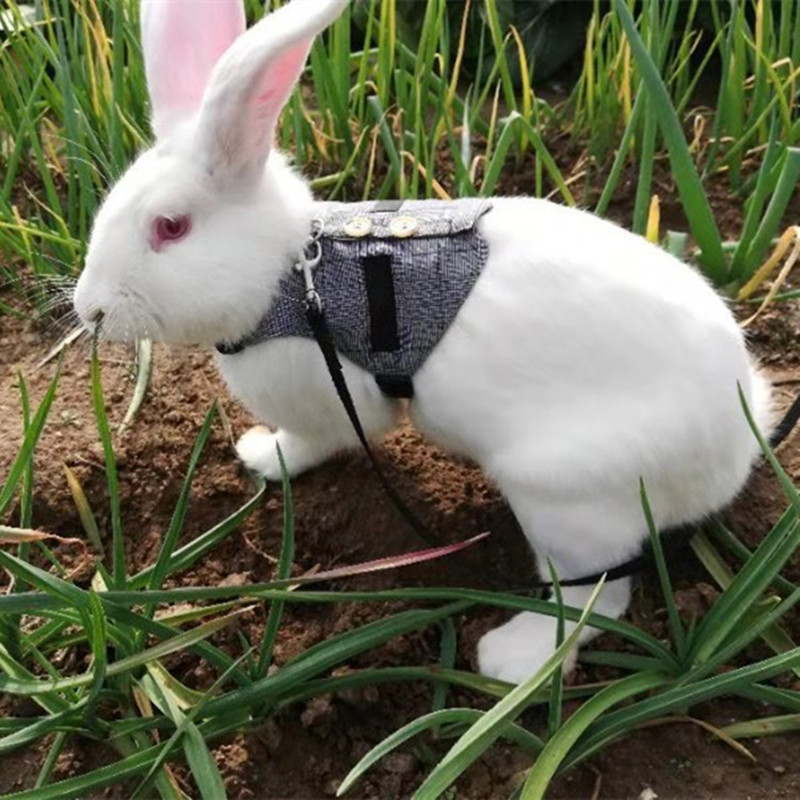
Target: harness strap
x=396 y=386
x=379 y=284
x=383 y=329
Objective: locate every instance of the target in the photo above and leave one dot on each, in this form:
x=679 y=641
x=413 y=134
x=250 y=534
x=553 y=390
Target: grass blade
x=483 y=733
x=176 y=643
x=463 y=716
x=84 y=510
x=690 y=188
x=25 y=454
x=675 y=625
x=161 y=569
x=283 y=571
x=144 y=365
x=118 y=578
x=559 y=746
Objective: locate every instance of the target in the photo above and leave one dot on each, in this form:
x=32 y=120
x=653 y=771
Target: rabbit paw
x=515 y=651
x=258 y=450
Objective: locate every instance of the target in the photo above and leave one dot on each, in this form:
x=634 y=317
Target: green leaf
x=185 y=556
x=447 y=659
x=483 y=733
x=767 y=726
x=462 y=716
x=283 y=571
x=98 y=641
x=25 y=454
x=779 y=201
x=675 y=625
x=621 y=722
x=68 y=719
x=562 y=741
x=327 y=654
x=690 y=188
x=161 y=569
x=179 y=642
x=204 y=769
x=118 y=577
x=36 y=603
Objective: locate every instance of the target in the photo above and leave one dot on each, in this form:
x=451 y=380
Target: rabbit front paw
x=258 y=450
x=515 y=651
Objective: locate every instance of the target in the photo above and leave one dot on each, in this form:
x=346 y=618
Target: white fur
x=583 y=360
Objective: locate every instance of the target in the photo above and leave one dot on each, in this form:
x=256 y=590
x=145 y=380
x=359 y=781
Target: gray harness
x=392 y=277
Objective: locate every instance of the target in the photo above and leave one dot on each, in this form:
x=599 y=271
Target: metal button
x=358 y=227
x=402 y=227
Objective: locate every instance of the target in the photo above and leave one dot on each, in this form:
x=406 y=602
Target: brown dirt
x=343 y=517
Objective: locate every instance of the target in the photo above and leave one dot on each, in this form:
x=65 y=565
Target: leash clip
x=309 y=258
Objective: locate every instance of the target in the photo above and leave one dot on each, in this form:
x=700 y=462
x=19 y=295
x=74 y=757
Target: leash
x=315 y=315
x=787 y=424
x=319 y=327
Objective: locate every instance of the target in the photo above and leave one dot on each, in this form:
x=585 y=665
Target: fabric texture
x=390 y=291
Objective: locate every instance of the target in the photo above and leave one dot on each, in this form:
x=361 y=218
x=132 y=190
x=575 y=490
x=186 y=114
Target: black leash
x=787 y=424
x=322 y=335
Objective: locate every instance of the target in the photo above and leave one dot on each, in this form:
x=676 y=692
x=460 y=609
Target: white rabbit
x=583 y=359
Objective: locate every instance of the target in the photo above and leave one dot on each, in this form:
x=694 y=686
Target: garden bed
x=342 y=517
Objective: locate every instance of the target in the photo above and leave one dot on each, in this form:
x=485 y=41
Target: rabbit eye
x=169 y=229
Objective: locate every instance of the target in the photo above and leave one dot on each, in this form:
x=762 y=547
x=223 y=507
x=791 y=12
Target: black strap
x=319 y=327
x=379 y=284
x=396 y=386
x=231 y=349
x=384 y=335
x=787 y=424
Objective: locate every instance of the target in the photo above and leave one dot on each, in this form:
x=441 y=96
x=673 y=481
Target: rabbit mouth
x=130 y=319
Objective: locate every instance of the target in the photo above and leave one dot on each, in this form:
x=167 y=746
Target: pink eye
x=169 y=229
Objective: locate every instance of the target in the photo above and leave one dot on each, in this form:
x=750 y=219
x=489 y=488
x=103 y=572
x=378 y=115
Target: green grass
x=385 y=120
x=128 y=698
x=382 y=120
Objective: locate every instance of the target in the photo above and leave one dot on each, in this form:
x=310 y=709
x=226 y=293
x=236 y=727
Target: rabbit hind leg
x=578 y=537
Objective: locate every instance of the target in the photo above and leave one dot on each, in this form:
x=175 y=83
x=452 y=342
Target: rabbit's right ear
x=250 y=85
x=182 y=40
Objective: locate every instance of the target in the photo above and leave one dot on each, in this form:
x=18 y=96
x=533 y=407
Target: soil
x=342 y=516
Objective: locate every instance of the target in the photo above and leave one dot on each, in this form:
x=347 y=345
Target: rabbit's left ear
x=250 y=85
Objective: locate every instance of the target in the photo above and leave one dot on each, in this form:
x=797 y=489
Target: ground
x=344 y=517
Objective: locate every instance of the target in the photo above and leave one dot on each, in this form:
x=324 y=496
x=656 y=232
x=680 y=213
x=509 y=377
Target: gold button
x=358 y=227
x=403 y=226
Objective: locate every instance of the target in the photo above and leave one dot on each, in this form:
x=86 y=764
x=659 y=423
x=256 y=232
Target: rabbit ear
x=182 y=40
x=251 y=83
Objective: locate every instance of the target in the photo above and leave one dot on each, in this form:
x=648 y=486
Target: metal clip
x=312 y=296
x=309 y=258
